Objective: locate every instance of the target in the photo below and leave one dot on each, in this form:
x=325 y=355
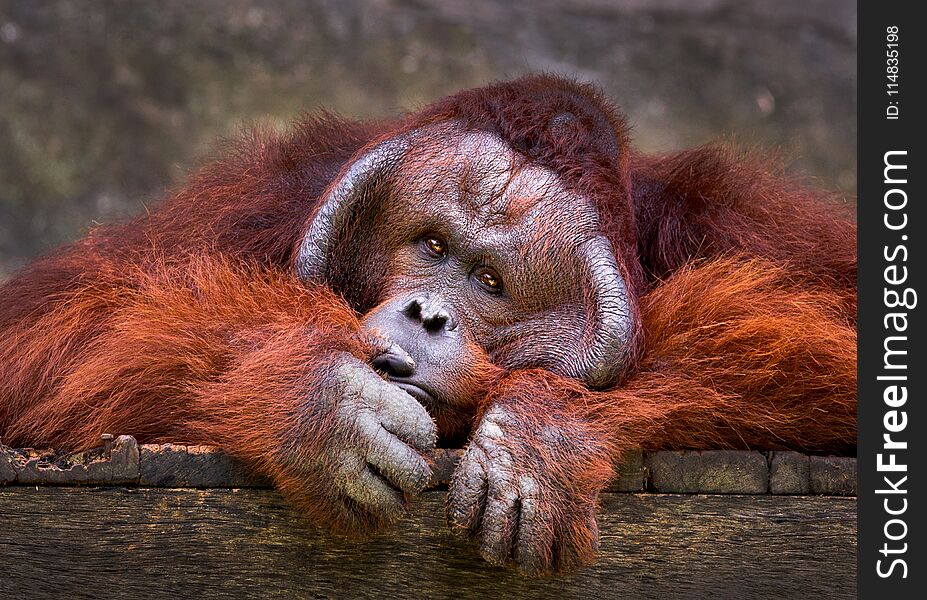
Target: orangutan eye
x=489 y=280
x=435 y=246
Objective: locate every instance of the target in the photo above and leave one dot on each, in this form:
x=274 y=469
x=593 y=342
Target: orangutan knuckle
x=491 y=430
x=528 y=487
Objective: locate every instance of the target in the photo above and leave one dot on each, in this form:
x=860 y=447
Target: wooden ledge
x=121 y=461
x=124 y=521
x=124 y=542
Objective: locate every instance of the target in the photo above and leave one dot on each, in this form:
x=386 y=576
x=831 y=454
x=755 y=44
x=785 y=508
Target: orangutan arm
x=214 y=352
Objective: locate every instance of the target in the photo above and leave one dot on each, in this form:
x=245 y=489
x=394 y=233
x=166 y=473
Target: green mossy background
x=105 y=104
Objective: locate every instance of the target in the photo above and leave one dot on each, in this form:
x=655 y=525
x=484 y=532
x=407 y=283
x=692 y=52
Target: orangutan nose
x=395 y=362
x=433 y=316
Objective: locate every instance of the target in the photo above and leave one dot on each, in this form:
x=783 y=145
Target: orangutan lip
x=416 y=391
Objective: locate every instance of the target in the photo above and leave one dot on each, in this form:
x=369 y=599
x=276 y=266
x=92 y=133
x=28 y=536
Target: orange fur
x=120 y=358
x=737 y=357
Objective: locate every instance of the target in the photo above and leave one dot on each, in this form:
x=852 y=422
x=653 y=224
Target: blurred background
x=105 y=104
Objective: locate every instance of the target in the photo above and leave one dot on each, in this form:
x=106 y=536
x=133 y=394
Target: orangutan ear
x=360 y=179
x=607 y=342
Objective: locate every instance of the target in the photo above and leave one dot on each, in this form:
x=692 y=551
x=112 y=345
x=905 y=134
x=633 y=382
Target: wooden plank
x=114 y=462
x=172 y=465
x=121 y=461
x=149 y=543
x=789 y=473
x=833 y=475
x=708 y=471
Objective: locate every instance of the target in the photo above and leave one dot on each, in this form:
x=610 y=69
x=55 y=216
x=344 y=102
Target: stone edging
x=122 y=461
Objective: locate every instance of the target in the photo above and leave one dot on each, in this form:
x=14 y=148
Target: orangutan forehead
x=485 y=177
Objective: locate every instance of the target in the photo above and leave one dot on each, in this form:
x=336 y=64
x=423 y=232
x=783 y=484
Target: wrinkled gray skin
x=390 y=432
x=526 y=507
x=492 y=209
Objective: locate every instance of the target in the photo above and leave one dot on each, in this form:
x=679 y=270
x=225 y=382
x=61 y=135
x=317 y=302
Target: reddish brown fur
x=187 y=325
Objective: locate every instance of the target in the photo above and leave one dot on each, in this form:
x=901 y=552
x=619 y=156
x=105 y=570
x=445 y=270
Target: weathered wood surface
x=149 y=534
x=121 y=461
x=157 y=543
